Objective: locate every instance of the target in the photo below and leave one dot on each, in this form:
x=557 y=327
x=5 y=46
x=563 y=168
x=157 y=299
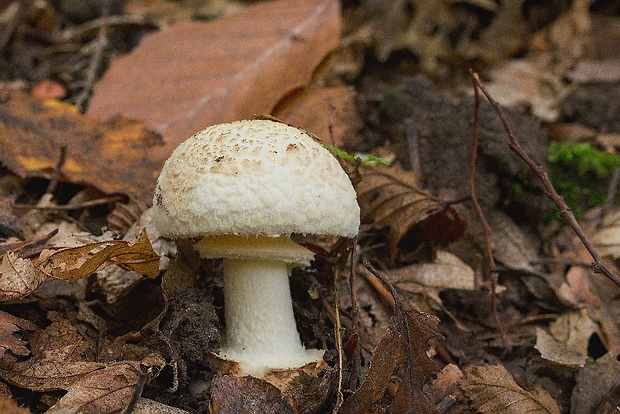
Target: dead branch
x=485 y=224
x=599 y=265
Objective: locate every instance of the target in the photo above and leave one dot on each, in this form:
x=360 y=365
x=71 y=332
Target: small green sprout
x=364 y=160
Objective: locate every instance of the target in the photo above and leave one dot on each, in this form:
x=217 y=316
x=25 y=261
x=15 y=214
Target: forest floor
x=473 y=286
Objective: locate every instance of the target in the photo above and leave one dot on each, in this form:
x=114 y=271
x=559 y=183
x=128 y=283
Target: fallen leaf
x=606 y=239
x=390 y=197
x=445 y=383
x=329 y=113
x=18 y=277
x=402 y=347
x=527 y=83
x=10 y=324
x=78 y=262
x=446 y=272
x=105 y=390
x=8 y=406
x=63 y=360
x=595 y=385
x=567 y=341
x=598 y=294
x=195 y=74
x=604 y=71
x=109 y=156
x=246 y=395
x=492 y=389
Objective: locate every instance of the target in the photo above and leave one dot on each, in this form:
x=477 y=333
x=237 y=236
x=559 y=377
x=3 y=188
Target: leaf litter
x=77 y=334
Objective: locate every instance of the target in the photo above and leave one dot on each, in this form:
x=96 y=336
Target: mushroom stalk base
x=260 y=326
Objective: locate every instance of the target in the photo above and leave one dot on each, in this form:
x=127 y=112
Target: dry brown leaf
x=106 y=390
x=567 y=341
x=598 y=294
x=78 y=262
x=247 y=395
x=8 y=406
x=390 y=197
x=18 y=277
x=195 y=74
x=606 y=239
x=63 y=360
x=446 y=272
x=10 y=324
x=597 y=386
x=109 y=156
x=329 y=113
x=400 y=352
x=492 y=389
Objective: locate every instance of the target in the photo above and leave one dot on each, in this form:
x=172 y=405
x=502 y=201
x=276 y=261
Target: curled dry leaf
x=79 y=262
x=446 y=272
x=400 y=352
x=18 y=277
x=492 y=389
x=10 y=324
x=567 y=341
x=390 y=197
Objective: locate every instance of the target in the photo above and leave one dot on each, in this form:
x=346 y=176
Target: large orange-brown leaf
x=195 y=74
x=109 y=156
x=493 y=390
x=391 y=197
x=400 y=353
x=329 y=113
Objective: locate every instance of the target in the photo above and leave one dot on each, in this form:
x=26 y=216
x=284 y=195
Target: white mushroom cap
x=254 y=177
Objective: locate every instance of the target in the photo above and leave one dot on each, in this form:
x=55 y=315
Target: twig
x=599 y=265
x=413 y=145
x=70 y=207
x=357 y=352
x=95 y=62
x=338 y=334
x=144 y=376
x=485 y=224
x=62 y=157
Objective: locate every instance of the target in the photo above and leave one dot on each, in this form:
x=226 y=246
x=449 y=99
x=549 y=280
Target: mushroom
x=243 y=188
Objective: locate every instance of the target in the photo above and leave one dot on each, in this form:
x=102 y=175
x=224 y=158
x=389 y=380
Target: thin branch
x=413 y=146
x=485 y=224
x=97 y=58
x=357 y=352
x=599 y=265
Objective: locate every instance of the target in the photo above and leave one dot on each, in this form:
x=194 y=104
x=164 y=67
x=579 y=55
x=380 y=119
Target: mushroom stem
x=260 y=325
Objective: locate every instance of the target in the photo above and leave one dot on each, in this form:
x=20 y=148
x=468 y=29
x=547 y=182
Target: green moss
x=580 y=173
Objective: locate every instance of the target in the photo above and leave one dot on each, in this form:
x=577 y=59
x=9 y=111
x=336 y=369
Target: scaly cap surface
x=254 y=177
